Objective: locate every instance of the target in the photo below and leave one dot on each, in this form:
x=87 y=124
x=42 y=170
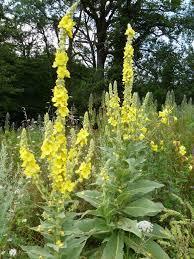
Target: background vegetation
x=28 y=35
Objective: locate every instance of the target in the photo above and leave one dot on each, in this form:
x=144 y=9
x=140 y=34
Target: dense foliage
x=162 y=47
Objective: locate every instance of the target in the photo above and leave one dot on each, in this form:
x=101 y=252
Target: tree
x=163 y=36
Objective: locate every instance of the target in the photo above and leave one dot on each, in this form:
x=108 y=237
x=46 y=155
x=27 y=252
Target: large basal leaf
x=73 y=248
x=159 y=233
x=114 y=247
x=35 y=252
x=155 y=250
x=129 y=225
x=143 y=187
x=143 y=207
x=92 y=226
x=93 y=197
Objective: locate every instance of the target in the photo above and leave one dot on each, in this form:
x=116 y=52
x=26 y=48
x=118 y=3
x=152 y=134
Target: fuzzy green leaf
x=93 y=197
x=155 y=250
x=159 y=233
x=73 y=248
x=143 y=207
x=114 y=247
x=92 y=226
x=143 y=187
x=35 y=252
x=129 y=225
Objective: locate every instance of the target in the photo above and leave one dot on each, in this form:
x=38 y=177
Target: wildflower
x=82 y=137
x=62 y=233
x=141 y=136
x=130 y=32
x=164 y=115
x=104 y=175
x=84 y=170
x=143 y=130
x=145 y=226
x=46 y=148
x=59 y=243
x=128 y=62
x=31 y=168
x=113 y=109
x=12 y=252
x=61 y=59
x=62 y=72
x=154 y=147
x=68 y=186
x=190 y=167
x=182 y=150
x=67 y=24
x=60 y=98
x=72 y=154
x=112 y=121
x=58 y=126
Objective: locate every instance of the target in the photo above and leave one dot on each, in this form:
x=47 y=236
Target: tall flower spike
x=128 y=74
x=29 y=164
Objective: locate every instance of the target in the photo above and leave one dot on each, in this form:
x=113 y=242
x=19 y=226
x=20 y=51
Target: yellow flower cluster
x=60 y=62
x=166 y=116
x=67 y=24
x=84 y=170
x=29 y=164
x=64 y=166
x=128 y=61
x=113 y=110
x=130 y=119
x=180 y=148
x=157 y=147
x=82 y=137
x=60 y=99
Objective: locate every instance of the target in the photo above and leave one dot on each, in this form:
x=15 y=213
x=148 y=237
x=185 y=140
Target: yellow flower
x=182 y=150
x=154 y=147
x=67 y=24
x=58 y=126
x=164 y=115
x=141 y=136
x=60 y=98
x=68 y=186
x=62 y=233
x=31 y=168
x=59 y=243
x=72 y=154
x=130 y=32
x=143 y=130
x=112 y=121
x=61 y=59
x=62 y=72
x=82 y=137
x=84 y=170
x=128 y=62
x=46 y=148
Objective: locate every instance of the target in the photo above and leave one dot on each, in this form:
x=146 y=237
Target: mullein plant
x=122 y=203
x=127 y=119
x=63 y=164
